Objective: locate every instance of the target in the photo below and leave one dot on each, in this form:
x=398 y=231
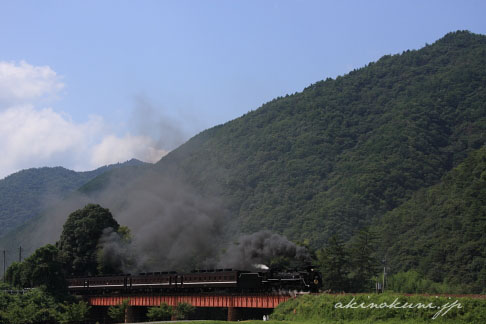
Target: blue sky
x=103 y=81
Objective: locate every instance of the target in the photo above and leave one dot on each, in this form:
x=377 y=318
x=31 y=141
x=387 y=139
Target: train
x=226 y=280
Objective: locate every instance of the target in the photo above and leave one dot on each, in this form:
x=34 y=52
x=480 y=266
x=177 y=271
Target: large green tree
x=364 y=260
x=334 y=265
x=79 y=239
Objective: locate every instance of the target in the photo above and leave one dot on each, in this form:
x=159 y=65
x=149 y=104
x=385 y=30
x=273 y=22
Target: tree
x=33 y=307
x=46 y=269
x=334 y=264
x=364 y=261
x=13 y=275
x=42 y=269
x=161 y=313
x=74 y=313
x=79 y=239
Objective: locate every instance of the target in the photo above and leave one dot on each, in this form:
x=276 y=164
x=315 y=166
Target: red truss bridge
x=236 y=307
x=247 y=300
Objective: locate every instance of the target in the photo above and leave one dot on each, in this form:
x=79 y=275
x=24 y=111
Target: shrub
x=183 y=310
x=117 y=313
x=163 y=312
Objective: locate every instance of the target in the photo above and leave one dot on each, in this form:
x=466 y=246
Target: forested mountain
x=24 y=194
x=332 y=158
x=441 y=231
x=343 y=152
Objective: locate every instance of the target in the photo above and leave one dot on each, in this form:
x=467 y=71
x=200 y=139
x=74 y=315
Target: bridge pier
x=134 y=314
x=99 y=314
x=233 y=313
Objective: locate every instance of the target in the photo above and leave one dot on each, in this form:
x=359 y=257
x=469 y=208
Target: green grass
x=325 y=321
x=322 y=309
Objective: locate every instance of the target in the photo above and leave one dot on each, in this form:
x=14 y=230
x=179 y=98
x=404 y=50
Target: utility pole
x=20 y=253
x=4 y=265
x=384 y=273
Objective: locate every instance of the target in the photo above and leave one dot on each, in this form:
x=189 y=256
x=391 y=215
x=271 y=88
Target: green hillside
x=441 y=231
x=342 y=152
x=24 y=194
x=331 y=159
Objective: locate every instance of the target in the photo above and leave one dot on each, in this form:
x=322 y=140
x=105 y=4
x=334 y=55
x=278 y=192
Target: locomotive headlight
x=316 y=281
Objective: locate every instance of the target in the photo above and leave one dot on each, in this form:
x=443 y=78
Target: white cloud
x=114 y=149
x=23 y=83
x=30 y=137
x=33 y=137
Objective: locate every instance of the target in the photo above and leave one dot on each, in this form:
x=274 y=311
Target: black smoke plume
x=261 y=248
x=117 y=254
x=173 y=227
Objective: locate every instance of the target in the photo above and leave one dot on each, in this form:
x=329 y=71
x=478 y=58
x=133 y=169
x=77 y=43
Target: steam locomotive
x=228 y=280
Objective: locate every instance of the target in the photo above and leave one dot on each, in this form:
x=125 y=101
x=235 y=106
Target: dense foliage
x=183 y=311
x=117 y=312
x=37 y=306
x=78 y=252
x=414 y=282
x=441 y=231
x=74 y=313
x=435 y=242
x=41 y=269
x=161 y=313
x=78 y=244
x=46 y=269
x=349 y=267
x=330 y=159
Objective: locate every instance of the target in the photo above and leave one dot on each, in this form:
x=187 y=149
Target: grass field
x=381 y=308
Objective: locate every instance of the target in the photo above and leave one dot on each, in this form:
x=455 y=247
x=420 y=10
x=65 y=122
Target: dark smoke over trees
x=173 y=227
x=251 y=251
x=115 y=253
